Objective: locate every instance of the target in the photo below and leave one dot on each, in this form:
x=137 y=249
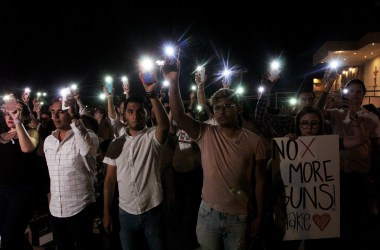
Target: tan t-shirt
x=227 y=164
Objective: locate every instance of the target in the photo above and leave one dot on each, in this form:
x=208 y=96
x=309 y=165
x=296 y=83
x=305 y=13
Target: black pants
x=74 y=233
x=16 y=209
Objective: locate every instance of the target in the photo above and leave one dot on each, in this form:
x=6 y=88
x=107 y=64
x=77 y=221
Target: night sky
x=46 y=47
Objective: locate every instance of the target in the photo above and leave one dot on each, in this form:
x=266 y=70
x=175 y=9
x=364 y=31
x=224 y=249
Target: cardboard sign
x=305 y=175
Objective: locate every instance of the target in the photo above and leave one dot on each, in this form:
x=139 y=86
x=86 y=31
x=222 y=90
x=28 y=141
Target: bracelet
x=152 y=94
x=17 y=121
x=75 y=116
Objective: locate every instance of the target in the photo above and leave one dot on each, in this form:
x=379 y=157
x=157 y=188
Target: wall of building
x=373 y=90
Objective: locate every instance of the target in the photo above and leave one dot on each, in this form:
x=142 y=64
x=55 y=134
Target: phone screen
x=65 y=93
x=148 y=77
x=202 y=72
x=109 y=87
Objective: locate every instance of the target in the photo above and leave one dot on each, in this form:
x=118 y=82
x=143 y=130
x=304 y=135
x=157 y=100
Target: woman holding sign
x=309 y=122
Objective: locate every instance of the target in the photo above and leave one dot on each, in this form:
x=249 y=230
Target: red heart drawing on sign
x=321 y=220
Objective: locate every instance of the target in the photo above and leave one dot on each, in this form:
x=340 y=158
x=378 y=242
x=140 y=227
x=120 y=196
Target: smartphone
x=65 y=93
x=148 y=77
x=170 y=62
x=74 y=89
x=109 y=86
x=201 y=70
x=170 y=65
x=10 y=103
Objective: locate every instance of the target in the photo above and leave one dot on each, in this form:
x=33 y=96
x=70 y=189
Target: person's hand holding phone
x=274 y=75
x=70 y=103
x=200 y=74
x=266 y=82
x=225 y=83
x=171 y=75
x=171 y=59
x=65 y=93
x=274 y=72
x=198 y=78
x=329 y=78
x=147 y=73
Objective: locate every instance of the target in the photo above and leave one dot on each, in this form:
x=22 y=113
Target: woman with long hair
x=17 y=176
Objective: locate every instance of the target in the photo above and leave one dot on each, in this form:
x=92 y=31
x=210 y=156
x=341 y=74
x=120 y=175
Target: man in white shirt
x=71 y=156
x=133 y=160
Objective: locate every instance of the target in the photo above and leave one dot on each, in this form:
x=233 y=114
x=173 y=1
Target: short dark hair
x=356 y=81
x=136 y=99
x=102 y=111
x=224 y=93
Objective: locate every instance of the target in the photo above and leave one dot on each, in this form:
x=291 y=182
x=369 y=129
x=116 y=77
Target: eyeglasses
x=225 y=107
x=312 y=124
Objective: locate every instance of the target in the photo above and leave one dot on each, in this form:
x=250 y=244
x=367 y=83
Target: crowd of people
x=150 y=165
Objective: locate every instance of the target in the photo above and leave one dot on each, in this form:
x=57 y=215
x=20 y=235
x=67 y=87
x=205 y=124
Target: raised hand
x=16 y=113
x=170 y=74
x=198 y=78
x=329 y=78
x=71 y=103
x=225 y=83
x=149 y=83
x=266 y=83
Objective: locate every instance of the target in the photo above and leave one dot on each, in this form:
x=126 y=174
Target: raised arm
x=329 y=79
x=276 y=125
x=82 y=107
x=110 y=107
x=86 y=141
x=185 y=122
x=28 y=139
x=192 y=100
x=201 y=93
x=162 y=119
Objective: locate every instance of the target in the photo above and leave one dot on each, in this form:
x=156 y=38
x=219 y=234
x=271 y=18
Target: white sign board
x=305 y=175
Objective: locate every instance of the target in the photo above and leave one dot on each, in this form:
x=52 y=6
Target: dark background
x=47 y=46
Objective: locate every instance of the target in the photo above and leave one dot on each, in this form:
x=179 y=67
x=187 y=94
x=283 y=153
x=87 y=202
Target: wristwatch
x=152 y=94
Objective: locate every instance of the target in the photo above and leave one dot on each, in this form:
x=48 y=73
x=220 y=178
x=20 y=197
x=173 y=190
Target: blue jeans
x=217 y=230
x=150 y=223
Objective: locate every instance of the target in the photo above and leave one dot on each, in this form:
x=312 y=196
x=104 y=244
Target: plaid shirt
x=71 y=164
x=275 y=125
